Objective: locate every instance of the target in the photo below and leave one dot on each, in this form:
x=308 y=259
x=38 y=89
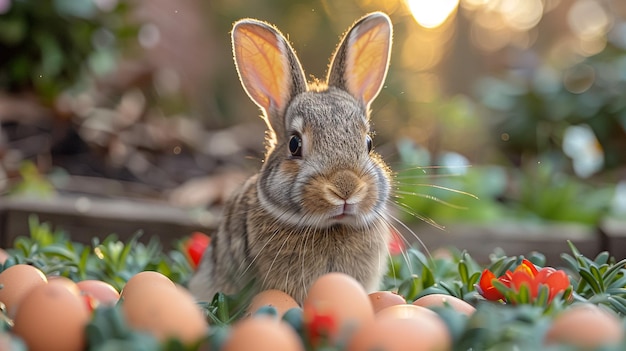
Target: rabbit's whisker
x=243 y=273
x=405 y=208
x=441 y=187
x=429 y=197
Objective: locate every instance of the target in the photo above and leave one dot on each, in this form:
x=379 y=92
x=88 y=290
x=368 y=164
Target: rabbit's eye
x=368 y=141
x=295 y=145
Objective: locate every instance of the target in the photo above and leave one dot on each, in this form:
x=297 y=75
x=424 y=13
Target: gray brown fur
x=279 y=229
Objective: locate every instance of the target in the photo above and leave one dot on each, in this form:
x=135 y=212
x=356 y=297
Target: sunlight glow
x=522 y=15
x=432 y=14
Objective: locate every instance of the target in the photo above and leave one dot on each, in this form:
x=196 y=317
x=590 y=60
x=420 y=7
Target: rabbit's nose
x=345 y=188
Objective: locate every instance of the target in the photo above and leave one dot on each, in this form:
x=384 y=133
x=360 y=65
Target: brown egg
x=16 y=281
x=405 y=311
x=64 y=281
x=402 y=328
x=52 y=318
x=340 y=301
x=145 y=281
x=104 y=293
x=4 y=256
x=262 y=333
x=280 y=300
x=383 y=299
x=443 y=300
x=585 y=326
x=165 y=312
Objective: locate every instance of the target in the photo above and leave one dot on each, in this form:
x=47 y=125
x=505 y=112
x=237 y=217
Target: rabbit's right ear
x=360 y=62
x=268 y=68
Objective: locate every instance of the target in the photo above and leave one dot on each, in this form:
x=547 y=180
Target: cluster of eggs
x=50 y=313
x=383 y=320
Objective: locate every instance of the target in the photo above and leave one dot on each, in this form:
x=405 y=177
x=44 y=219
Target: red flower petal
x=518 y=278
x=556 y=280
x=195 y=247
x=527 y=267
x=397 y=243
x=487 y=290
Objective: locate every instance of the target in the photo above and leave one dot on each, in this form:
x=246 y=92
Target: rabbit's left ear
x=268 y=68
x=360 y=63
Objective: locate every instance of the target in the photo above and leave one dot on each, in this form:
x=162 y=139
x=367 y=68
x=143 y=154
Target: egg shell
x=52 y=318
x=383 y=299
x=585 y=326
x=165 y=313
x=443 y=300
x=64 y=281
x=402 y=328
x=406 y=311
x=262 y=333
x=4 y=256
x=340 y=299
x=15 y=282
x=103 y=292
x=143 y=282
x=280 y=300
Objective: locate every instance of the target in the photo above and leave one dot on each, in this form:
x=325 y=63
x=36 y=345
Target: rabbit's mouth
x=344 y=214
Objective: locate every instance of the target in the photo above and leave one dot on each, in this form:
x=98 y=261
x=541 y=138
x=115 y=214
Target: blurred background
x=493 y=110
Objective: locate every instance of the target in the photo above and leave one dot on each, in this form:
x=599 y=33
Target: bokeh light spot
x=432 y=14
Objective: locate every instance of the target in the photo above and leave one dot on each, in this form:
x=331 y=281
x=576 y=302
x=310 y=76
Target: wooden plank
x=613 y=233
x=83 y=218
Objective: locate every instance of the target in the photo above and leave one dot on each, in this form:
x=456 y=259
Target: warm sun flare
x=431 y=14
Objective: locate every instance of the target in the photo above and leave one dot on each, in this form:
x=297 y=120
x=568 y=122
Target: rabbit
x=318 y=204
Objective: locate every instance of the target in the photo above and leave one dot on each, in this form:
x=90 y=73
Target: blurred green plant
x=109 y=260
x=454 y=191
x=32 y=183
x=47 y=46
x=532 y=109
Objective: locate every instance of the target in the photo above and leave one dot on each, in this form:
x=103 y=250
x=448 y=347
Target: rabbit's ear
x=360 y=63
x=268 y=67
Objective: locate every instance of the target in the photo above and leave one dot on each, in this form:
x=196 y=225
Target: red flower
x=486 y=289
x=526 y=274
x=321 y=324
x=195 y=247
x=397 y=243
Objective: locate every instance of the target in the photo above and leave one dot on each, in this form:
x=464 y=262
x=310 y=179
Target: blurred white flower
x=619 y=199
x=454 y=163
x=105 y=5
x=582 y=146
x=5 y=6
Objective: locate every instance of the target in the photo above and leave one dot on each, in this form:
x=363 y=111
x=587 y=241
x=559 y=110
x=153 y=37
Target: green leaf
x=463 y=272
x=427 y=277
x=571 y=262
x=410 y=288
x=473 y=280
x=222 y=308
x=617 y=282
x=618 y=303
x=542 y=296
x=590 y=279
x=602 y=258
x=612 y=272
x=579 y=257
x=598 y=277
x=61 y=252
x=523 y=294
x=450 y=290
